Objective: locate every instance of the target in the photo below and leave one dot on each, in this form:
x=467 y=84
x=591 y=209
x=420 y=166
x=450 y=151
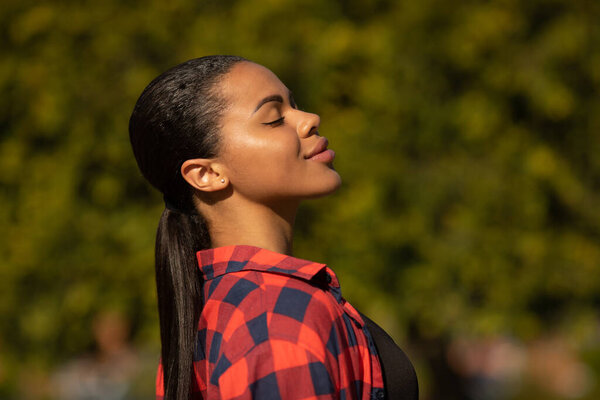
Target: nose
x=308 y=124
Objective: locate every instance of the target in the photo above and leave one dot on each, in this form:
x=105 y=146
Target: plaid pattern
x=277 y=327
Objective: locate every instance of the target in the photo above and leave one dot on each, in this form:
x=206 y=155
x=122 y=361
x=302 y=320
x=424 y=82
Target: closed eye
x=274 y=123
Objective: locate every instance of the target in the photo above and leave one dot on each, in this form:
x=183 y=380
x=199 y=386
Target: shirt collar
x=222 y=260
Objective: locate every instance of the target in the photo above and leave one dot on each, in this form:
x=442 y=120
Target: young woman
x=240 y=317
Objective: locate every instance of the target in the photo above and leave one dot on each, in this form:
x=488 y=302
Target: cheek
x=260 y=164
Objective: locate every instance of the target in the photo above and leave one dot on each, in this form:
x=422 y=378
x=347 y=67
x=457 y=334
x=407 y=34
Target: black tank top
x=399 y=377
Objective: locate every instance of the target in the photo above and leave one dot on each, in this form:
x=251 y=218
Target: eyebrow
x=273 y=97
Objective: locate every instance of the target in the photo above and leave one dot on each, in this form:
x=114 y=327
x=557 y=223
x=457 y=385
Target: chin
x=330 y=185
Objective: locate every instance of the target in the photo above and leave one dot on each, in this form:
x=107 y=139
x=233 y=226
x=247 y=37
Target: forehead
x=247 y=83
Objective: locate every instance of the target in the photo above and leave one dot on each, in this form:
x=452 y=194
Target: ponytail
x=179 y=287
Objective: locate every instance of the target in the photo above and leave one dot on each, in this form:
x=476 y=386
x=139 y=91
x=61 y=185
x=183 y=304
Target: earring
x=222 y=180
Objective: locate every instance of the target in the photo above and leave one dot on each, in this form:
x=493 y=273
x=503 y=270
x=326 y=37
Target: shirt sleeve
x=275 y=369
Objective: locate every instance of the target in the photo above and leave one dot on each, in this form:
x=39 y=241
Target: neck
x=241 y=222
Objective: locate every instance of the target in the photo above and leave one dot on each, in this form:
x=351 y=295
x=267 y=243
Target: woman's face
x=268 y=143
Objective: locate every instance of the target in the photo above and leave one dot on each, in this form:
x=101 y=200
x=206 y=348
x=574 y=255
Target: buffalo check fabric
x=277 y=327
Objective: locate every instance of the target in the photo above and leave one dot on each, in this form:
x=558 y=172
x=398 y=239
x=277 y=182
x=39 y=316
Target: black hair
x=175 y=119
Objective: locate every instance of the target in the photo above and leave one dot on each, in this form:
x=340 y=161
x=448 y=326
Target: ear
x=204 y=174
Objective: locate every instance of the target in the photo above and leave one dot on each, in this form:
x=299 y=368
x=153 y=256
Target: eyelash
x=276 y=122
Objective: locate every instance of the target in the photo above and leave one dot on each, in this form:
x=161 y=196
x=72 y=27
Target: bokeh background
x=468 y=223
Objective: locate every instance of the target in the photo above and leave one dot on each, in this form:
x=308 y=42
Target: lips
x=319 y=148
x=321 y=153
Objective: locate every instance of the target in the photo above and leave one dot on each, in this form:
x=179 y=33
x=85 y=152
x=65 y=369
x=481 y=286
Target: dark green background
x=466 y=133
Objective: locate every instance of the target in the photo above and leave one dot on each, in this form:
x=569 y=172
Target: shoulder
x=248 y=307
x=272 y=332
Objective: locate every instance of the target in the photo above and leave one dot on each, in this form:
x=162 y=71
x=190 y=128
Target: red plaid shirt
x=277 y=327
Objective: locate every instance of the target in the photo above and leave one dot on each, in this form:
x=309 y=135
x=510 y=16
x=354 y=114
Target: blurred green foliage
x=467 y=136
